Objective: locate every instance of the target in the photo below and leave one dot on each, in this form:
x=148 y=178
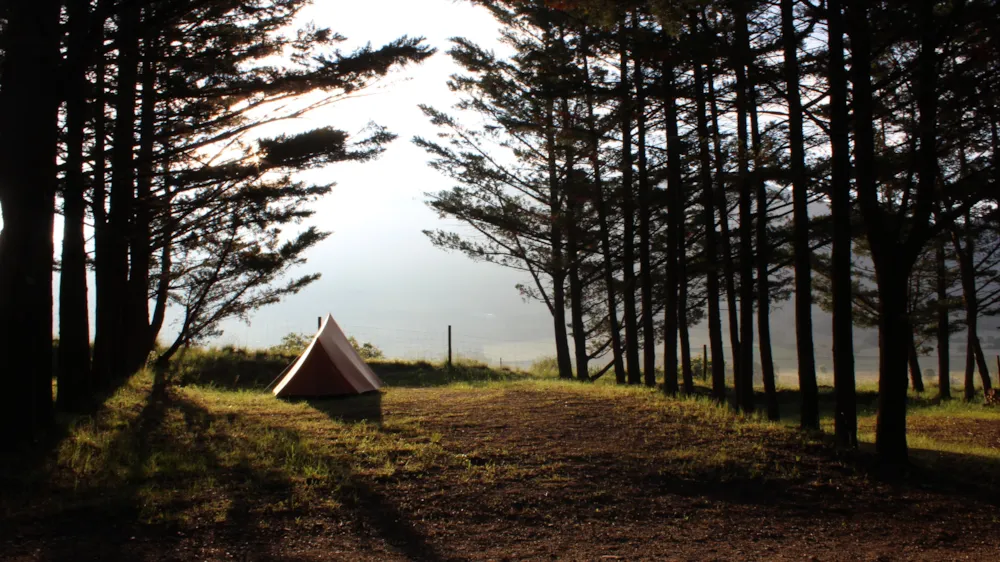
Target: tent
x=328 y=367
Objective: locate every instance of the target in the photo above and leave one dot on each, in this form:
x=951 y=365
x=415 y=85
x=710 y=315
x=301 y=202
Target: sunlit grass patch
x=920 y=443
x=206 y=454
x=100 y=448
x=930 y=452
x=956 y=408
x=363 y=446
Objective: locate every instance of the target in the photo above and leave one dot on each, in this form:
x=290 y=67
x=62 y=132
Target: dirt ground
x=565 y=475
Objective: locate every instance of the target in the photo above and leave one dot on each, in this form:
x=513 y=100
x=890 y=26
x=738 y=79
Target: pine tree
x=845 y=407
x=29 y=104
x=519 y=210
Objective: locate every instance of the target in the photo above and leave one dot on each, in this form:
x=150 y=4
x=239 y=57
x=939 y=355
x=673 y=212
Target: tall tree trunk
x=800 y=203
x=894 y=344
x=745 y=391
x=984 y=370
x=29 y=105
x=675 y=225
x=728 y=267
x=123 y=184
x=927 y=102
x=556 y=236
x=995 y=143
x=687 y=375
x=140 y=338
x=891 y=267
x=943 y=331
x=73 y=360
x=711 y=242
x=845 y=397
x=166 y=264
x=559 y=323
x=967 y=270
x=970 y=371
x=574 y=213
x=679 y=200
x=645 y=236
x=628 y=210
x=995 y=146
x=602 y=213
x=916 y=380
x=576 y=291
x=106 y=299
x=677 y=283
x=763 y=262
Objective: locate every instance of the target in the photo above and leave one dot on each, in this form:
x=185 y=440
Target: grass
x=217 y=434
x=228 y=367
x=934 y=425
x=233 y=368
x=215 y=449
x=195 y=451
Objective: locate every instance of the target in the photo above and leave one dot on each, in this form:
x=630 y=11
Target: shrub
x=292 y=344
x=366 y=350
x=545 y=367
x=295 y=343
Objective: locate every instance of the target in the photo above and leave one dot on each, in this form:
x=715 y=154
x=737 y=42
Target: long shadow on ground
x=176 y=469
x=352 y=409
x=373 y=511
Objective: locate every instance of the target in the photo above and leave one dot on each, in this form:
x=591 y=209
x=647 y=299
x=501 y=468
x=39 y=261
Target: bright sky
x=382 y=279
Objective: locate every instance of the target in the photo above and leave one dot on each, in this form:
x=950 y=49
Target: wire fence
x=522 y=353
x=411 y=344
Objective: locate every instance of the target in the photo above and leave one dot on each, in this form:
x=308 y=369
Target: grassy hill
x=475 y=463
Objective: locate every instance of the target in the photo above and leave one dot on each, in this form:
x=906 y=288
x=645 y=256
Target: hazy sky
x=382 y=279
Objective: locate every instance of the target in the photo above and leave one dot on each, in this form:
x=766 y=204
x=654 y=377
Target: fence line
x=432 y=345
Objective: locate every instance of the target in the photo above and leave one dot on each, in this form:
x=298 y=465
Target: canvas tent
x=328 y=367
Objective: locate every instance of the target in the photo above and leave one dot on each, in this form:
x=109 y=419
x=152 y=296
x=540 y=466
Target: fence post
x=449 y=346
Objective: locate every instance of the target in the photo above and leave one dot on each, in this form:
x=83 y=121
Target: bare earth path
x=539 y=473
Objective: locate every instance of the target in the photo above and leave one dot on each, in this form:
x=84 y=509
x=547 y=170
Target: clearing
x=480 y=464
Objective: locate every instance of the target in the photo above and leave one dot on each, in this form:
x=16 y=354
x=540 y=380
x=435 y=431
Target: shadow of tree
x=373 y=510
x=351 y=409
x=182 y=464
x=21 y=467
